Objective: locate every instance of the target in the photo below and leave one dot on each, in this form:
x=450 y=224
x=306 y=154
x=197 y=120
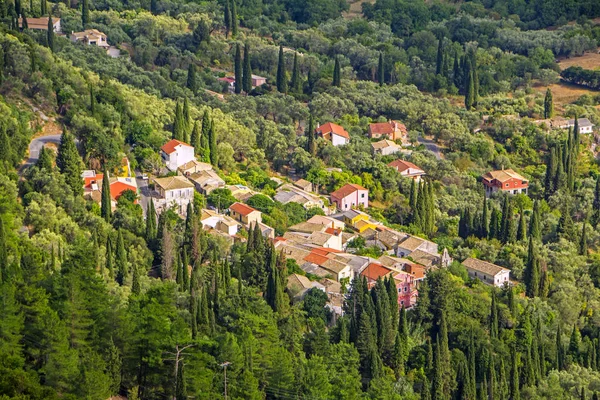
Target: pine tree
x=212 y=137
x=295 y=82
x=69 y=163
x=238 y=69
x=227 y=18
x=50 y=33
x=106 y=203
x=85 y=14
x=121 y=260
x=282 y=85
x=180 y=387
x=192 y=82
x=381 y=70
x=522 y=229
x=247 y=70
x=234 y=19
x=548 y=105
x=337 y=78
x=583 y=246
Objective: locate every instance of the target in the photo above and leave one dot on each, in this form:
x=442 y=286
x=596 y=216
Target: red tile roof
x=346 y=190
x=241 y=208
x=316 y=259
x=333 y=231
x=170 y=146
x=375 y=271
x=401 y=165
x=330 y=127
x=387 y=128
x=88 y=180
x=117 y=188
x=227 y=79
x=324 y=250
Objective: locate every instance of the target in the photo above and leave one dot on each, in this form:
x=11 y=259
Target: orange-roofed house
x=245 y=214
x=407 y=169
x=333 y=133
x=350 y=195
x=41 y=24
x=505 y=180
x=393 y=130
x=405 y=283
x=177 y=153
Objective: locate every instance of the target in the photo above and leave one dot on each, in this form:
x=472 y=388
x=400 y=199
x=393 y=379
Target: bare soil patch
x=356 y=8
x=565 y=93
x=586 y=61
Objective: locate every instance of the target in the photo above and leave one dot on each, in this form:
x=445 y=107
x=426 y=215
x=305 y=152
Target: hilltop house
x=505 y=180
x=41 y=24
x=91 y=37
x=245 y=214
x=173 y=191
x=333 y=133
x=177 y=153
x=487 y=272
x=407 y=169
x=350 y=195
x=392 y=130
x=385 y=147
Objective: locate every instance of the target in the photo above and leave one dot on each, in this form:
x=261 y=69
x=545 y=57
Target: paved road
x=143 y=190
x=431 y=146
x=36 y=146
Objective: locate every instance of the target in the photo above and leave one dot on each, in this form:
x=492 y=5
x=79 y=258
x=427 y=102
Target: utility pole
x=224 y=366
x=178 y=357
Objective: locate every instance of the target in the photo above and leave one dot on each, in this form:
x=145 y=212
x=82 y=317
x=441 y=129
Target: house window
x=405 y=289
x=507 y=185
x=484 y=278
x=362 y=196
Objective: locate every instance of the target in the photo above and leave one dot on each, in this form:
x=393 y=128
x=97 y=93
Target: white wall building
x=177 y=153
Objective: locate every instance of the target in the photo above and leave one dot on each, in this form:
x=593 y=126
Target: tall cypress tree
x=178 y=124
x=535 y=230
x=151 y=228
x=180 y=387
x=214 y=159
x=247 y=70
x=85 y=14
x=121 y=260
x=227 y=18
x=437 y=387
x=583 y=247
x=135 y=281
x=3 y=254
x=282 y=85
x=195 y=137
x=469 y=92
x=106 y=205
x=494 y=324
x=440 y=57
x=548 y=104
x=204 y=152
x=514 y=376
x=337 y=78
x=69 y=163
x=532 y=271
x=192 y=82
x=484 y=224
x=43 y=7
x=234 y=19
x=522 y=228
x=596 y=205
x=311 y=143
x=295 y=82
x=381 y=70
x=186 y=120
x=238 y=69
x=50 y=34
x=109 y=258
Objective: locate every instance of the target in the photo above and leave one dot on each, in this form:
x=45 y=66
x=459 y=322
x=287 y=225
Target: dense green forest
x=97 y=302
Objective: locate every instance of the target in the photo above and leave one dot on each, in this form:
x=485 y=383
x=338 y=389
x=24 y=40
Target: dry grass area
x=587 y=61
x=565 y=93
x=356 y=8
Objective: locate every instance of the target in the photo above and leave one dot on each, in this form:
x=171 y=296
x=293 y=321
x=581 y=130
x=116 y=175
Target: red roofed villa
x=405 y=283
x=333 y=133
x=407 y=169
x=505 y=180
x=350 y=195
x=393 y=130
x=245 y=214
x=177 y=153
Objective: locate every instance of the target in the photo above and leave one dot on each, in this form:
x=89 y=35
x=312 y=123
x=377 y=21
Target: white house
x=407 y=169
x=385 y=147
x=333 y=133
x=176 y=153
x=92 y=37
x=584 y=125
x=173 y=191
x=486 y=272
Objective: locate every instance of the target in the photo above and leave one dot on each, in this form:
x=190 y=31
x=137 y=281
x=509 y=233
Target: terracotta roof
x=173 y=183
x=375 y=271
x=117 y=188
x=316 y=259
x=330 y=127
x=401 y=165
x=346 y=190
x=483 y=266
x=170 y=146
x=333 y=231
x=88 y=180
x=415 y=270
x=386 y=128
x=227 y=79
x=503 y=175
x=39 y=23
x=242 y=209
x=325 y=250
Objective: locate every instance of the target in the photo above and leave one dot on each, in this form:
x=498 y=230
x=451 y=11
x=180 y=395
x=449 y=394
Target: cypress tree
x=469 y=92
x=456 y=75
x=337 y=78
x=403 y=324
x=596 y=204
x=238 y=69
x=398 y=356
x=437 y=387
x=583 y=247
x=311 y=143
x=3 y=254
x=535 y=230
x=548 y=104
x=282 y=85
x=69 y=163
x=440 y=57
x=484 y=224
x=560 y=350
x=227 y=18
x=234 y=19
x=425 y=390
x=192 y=82
x=185 y=118
x=178 y=122
x=178 y=272
x=295 y=82
x=514 y=375
x=121 y=260
x=412 y=202
x=180 y=387
x=381 y=70
x=494 y=325
x=135 y=282
x=213 y=144
x=92 y=101
x=43 y=7
x=565 y=224
x=151 y=221
x=205 y=138
x=106 y=205
x=483 y=388
x=247 y=70
x=549 y=178
x=475 y=79
x=574 y=343
x=5 y=147
x=195 y=137
x=495 y=224
x=506 y=220
x=50 y=33
x=522 y=229
x=85 y=14
x=532 y=271
x=154 y=7
x=109 y=255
